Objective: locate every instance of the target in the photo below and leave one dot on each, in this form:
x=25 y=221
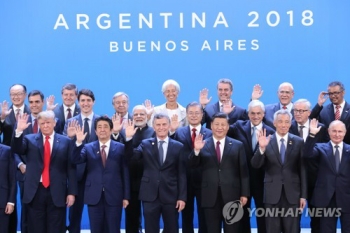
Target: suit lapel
x=331 y=111
x=39 y=143
x=76 y=110
x=248 y=134
x=330 y=156
x=155 y=152
x=290 y=146
x=211 y=148
x=227 y=149
x=345 y=158
x=345 y=113
x=93 y=136
x=188 y=135
x=274 y=146
x=55 y=146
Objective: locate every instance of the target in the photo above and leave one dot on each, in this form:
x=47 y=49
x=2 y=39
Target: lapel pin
x=98 y=152
x=230 y=143
x=290 y=142
x=152 y=143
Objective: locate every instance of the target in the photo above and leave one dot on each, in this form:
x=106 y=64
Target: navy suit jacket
x=326 y=115
x=184 y=136
x=62 y=173
x=238 y=113
x=167 y=181
x=329 y=182
x=291 y=174
x=7 y=177
x=59 y=113
x=113 y=179
x=231 y=174
x=242 y=131
x=270 y=110
x=321 y=136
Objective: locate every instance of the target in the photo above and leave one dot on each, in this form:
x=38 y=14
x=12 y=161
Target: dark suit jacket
x=322 y=136
x=167 y=181
x=270 y=110
x=184 y=136
x=231 y=175
x=7 y=127
x=59 y=113
x=329 y=182
x=112 y=179
x=241 y=131
x=7 y=177
x=237 y=114
x=325 y=115
x=291 y=174
x=62 y=172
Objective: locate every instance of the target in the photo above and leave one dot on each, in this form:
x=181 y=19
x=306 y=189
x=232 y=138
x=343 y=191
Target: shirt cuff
x=78 y=144
x=10 y=203
x=19 y=164
x=18 y=134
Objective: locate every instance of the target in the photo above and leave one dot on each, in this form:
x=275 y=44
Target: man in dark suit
x=225 y=104
x=338 y=109
x=120 y=103
x=225 y=176
x=163 y=184
x=86 y=119
x=332 y=189
x=8 y=187
x=107 y=187
x=186 y=136
x=285 y=187
x=247 y=132
x=285 y=95
x=50 y=182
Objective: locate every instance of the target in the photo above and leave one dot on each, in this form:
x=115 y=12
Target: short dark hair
x=221 y=115
x=36 y=92
x=194 y=104
x=104 y=118
x=337 y=83
x=70 y=86
x=86 y=92
x=19 y=84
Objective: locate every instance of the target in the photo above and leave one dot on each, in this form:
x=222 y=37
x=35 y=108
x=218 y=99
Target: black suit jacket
x=238 y=113
x=325 y=115
x=231 y=174
x=59 y=113
x=270 y=110
x=7 y=177
x=322 y=136
x=291 y=174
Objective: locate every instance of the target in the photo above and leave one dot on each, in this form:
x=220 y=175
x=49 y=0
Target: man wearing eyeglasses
x=338 y=109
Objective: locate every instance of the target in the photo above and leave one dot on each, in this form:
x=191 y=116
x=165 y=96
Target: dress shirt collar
x=289 y=106
x=166 y=140
x=341 y=106
x=89 y=116
x=285 y=137
x=15 y=110
x=258 y=127
x=198 y=129
x=72 y=108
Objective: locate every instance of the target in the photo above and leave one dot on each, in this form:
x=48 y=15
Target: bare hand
x=227 y=106
x=70 y=200
x=313 y=126
x=130 y=129
x=322 y=98
x=117 y=126
x=203 y=97
x=257 y=92
x=22 y=122
x=263 y=140
x=174 y=123
x=80 y=135
x=9 y=209
x=243 y=200
x=72 y=128
x=22 y=168
x=125 y=203
x=149 y=108
x=5 y=111
x=302 y=204
x=50 y=103
x=199 y=142
x=180 y=205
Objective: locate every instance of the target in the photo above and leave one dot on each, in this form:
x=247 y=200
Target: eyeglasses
x=16 y=94
x=194 y=113
x=334 y=93
x=300 y=111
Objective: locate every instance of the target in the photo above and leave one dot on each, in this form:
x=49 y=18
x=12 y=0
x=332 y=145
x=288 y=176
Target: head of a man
x=69 y=94
x=36 y=102
x=219 y=125
x=18 y=94
x=337 y=131
x=302 y=111
x=171 y=90
x=120 y=103
x=194 y=113
x=161 y=125
x=336 y=92
x=256 y=112
x=285 y=93
x=47 y=122
x=282 y=121
x=139 y=116
x=86 y=99
x=225 y=89
x=103 y=128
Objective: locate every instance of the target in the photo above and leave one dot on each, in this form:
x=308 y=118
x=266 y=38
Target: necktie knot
x=68 y=109
x=47 y=137
x=103 y=147
x=218 y=143
x=86 y=119
x=337 y=106
x=282 y=150
x=161 y=152
x=218 y=151
x=194 y=130
x=284 y=107
x=161 y=143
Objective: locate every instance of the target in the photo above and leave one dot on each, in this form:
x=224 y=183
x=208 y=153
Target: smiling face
x=103 y=131
x=256 y=115
x=337 y=131
x=171 y=93
x=121 y=105
x=282 y=124
x=301 y=113
x=139 y=117
x=194 y=115
x=336 y=94
x=17 y=95
x=69 y=97
x=86 y=103
x=36 y=104
x=224 y=92
x=285 y=94
x=161 y=127
x=219 y=127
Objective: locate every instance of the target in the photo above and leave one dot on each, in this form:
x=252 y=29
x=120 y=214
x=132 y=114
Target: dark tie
x=337 y=158
x=46 y=173
x=193 y=137
x=282 y=150
x=284 y=107
x=218 y=152
x=35 y=126
x=18 y=113
x=301 y=133
x=103 y=155
x=337 y=112
x=69 y=115
x=161 y=152
x=86 y=129
x=254 y=141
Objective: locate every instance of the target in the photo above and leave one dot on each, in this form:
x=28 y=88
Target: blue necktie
x=337 y=158
x=282 y=150
x=161 y=152
x=254 y=142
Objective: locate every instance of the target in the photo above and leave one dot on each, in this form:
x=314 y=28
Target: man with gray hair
x=285 y=184
x=120 y=102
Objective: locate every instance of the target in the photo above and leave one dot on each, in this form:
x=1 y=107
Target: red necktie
x=218 y=152
x=103 y=155
x=69 y=115
x=18 y=113
x=337 y=112
x=284 y=107
x=46 y=174
x=193 y=137
x=35 y=126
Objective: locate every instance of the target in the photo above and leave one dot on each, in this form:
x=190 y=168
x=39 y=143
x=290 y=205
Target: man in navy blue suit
x=225 y=104
x=107 y=187
x=186 y=135
x=163 y=184
x=338 y=109
x=332 y=189
x=50 y=183
x=247 y=132
x=86 y=119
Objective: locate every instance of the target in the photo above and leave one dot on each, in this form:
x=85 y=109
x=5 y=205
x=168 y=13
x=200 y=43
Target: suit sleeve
x=72 y=174
x=244 y=173
x=195 y=160
x=12 y=179
x=19 y=145
x=79 y=153
x=125 y=178
x=309 y=148
x=258 y=159
x=182 y=179
x=316 y=111
x=303 y=174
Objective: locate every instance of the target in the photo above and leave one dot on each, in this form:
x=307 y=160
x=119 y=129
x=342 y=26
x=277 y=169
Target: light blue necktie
x=254 y=141
x=282 y=150
x=161 y=152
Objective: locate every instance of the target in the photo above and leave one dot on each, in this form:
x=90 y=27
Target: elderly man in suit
x=332 y=189
x=50 y=183
x=163 y=184
x=225 y=176
x=285 y=184
x=247 y=132
x=225 y=104
x=120 y=102
x=107 y=187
